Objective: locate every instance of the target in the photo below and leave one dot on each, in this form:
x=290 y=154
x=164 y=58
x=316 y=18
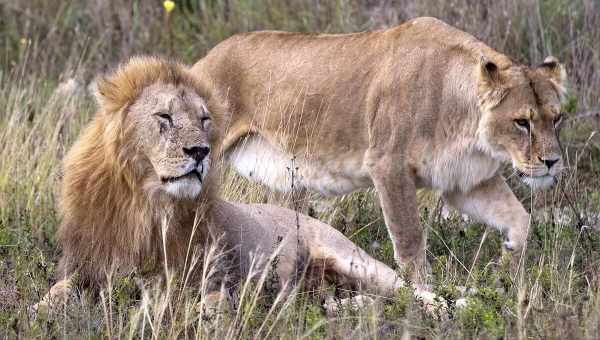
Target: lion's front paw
x=435 y=304
x=431 y=302
x=56 y=297
x=334 y=307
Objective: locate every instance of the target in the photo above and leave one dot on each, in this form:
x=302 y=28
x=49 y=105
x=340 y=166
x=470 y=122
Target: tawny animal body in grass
x=422 y=104
x=137 y=187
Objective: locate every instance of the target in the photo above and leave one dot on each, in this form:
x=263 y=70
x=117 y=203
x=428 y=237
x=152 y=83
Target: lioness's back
x=328 y=79
x=362 y=48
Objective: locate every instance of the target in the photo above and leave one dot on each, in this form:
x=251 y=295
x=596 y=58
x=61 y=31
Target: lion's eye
x=164 y=121
x=522 y=123
x=558 y=119
x=164 y=116
x=205 y=121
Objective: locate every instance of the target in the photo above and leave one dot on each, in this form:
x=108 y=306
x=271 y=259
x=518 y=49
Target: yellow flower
x=168 y=5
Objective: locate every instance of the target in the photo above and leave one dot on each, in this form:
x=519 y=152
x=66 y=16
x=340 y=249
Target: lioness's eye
x=522 y=123
x=558 y=119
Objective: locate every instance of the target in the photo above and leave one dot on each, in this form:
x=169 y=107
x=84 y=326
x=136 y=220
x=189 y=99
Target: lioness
x=422 y=104
x=137 y=195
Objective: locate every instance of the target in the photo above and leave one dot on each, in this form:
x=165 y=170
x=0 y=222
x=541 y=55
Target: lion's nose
x=198 y=153
x=549 y=161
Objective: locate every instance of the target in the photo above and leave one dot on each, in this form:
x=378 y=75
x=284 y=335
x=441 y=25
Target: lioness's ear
x=489 y=88
x=555 y=71
x=489 y=74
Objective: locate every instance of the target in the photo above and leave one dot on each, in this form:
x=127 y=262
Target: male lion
x=422 y=104
x=137 y=193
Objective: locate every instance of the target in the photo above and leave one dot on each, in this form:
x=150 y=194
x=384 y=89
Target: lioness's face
x=524 y=128
x=173 y=127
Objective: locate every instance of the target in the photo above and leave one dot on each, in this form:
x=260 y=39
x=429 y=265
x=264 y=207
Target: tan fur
x=422 y=104
x=111 y=210
x=120 y=215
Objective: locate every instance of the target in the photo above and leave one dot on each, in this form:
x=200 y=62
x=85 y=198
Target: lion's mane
x=109 y=220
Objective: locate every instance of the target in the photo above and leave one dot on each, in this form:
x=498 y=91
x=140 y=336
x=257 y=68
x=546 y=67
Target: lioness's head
x=521 y=118
x=164 y=124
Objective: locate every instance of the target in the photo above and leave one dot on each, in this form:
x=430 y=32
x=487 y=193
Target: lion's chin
x=538 y=182
x=185 y=188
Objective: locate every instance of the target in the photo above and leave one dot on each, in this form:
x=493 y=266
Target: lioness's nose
x=549 y=161
x=198 y=153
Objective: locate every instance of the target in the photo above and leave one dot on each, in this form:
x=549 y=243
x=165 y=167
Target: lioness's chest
x=258 y=160
x=456 y=170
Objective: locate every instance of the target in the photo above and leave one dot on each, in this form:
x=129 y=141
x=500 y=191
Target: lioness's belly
x=256 y=159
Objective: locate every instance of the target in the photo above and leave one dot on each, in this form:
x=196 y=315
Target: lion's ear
x=110 y=96
x=103 y=91
x=555 y=71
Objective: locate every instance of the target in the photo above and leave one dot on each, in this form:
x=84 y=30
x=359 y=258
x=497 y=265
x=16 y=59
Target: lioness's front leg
x=493 y=203
x=398 y=198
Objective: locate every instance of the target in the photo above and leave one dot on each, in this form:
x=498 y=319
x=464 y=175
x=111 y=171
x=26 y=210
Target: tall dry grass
x=51 y=50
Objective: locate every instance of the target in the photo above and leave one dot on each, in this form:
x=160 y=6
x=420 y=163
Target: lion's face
x=173 y=128
x=524 y=126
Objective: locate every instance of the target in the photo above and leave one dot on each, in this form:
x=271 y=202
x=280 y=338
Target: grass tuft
x=50 y=52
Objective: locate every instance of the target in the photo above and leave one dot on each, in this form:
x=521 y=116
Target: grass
x=50 y=52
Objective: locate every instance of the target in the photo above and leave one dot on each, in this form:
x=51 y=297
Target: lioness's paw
x=515 y=240
x=510 y=245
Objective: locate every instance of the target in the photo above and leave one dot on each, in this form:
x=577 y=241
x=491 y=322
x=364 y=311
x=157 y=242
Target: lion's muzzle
x=188 y=185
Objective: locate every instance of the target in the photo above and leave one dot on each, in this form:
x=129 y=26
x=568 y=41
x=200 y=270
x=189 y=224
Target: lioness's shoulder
x=257 y=39
x=426 y=22
x=434 y=28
